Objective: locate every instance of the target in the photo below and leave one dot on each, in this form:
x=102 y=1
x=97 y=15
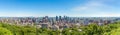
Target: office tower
x=57 y=18
x=60 y=18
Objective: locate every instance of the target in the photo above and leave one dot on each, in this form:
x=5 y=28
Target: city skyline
x=52 y=8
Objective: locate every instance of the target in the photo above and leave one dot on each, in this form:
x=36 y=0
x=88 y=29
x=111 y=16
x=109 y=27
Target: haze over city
x=52 y=8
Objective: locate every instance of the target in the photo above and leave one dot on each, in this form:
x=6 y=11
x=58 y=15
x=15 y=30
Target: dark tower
x=57 y=18
x=60 y=18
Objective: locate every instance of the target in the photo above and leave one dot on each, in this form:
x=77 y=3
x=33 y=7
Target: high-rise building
x=57 y=18
x=60 y=18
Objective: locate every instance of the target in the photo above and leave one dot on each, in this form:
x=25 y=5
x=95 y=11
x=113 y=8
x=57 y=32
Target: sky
x=52 y=8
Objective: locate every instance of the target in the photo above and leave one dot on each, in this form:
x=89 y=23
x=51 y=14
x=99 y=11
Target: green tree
x=4 y=31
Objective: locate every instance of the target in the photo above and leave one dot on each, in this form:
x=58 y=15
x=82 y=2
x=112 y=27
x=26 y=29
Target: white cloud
x=97 y=8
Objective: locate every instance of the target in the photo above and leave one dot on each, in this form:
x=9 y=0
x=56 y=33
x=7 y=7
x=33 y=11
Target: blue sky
x=72 y=8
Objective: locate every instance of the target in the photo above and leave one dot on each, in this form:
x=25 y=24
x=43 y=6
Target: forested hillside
x=92 y=29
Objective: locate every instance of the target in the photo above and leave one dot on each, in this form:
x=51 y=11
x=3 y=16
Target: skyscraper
x=60 y=18
x=56 y=18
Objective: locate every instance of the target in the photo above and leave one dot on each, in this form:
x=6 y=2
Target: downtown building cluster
x=58 y=22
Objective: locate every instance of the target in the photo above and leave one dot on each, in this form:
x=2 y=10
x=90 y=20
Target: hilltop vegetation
x=92 y=29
